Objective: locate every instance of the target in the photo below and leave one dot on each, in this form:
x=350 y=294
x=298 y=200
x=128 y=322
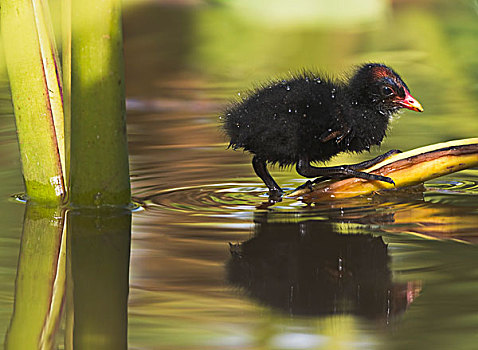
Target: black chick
x=312 y=118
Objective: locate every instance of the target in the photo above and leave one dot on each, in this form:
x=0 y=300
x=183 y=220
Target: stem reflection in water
x=86 y=265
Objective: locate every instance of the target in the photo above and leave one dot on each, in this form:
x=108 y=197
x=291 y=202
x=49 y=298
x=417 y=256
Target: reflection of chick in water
x=307 y=269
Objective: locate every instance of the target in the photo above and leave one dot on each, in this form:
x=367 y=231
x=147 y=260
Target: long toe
x=385 y=179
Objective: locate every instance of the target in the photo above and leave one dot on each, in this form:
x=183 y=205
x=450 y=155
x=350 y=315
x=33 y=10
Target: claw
x=385 y=179
x=389 y=180
x=382 y=178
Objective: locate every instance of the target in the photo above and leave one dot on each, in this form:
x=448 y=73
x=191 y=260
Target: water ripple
x=225 y=197
x=466 y=187
x=243 y=199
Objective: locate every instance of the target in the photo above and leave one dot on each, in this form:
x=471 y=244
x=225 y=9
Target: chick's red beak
x=409 y=102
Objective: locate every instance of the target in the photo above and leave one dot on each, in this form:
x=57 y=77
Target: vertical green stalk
x=33 y=70
x=65 y=10
x=99 y=171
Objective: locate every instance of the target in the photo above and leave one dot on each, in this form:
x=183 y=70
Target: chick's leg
x=305 y=169
x=371 y=162
x=260 y=168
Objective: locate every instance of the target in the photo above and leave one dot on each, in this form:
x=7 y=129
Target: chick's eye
x=386 y=91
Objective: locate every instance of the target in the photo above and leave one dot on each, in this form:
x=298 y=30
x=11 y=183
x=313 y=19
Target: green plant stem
x=33 y=71
x=65 y=9
x=99 y=171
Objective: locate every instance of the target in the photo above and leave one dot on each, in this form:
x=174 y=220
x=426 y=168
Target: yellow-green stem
x=99 y=171
x=34 y=75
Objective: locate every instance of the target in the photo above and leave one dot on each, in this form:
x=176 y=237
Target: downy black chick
x=311 y=118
